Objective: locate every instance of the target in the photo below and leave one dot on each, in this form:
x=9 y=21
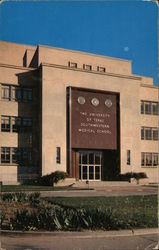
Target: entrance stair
x=90 y=184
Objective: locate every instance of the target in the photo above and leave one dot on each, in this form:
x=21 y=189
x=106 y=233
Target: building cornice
x=149 y=86
x=16 y=67
x=91 y=71
x=85 y=53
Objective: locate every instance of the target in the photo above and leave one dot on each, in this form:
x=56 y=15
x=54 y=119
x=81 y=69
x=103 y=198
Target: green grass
x=21 y=212
x=128 y=202
x=30 y=188
x=142 y=208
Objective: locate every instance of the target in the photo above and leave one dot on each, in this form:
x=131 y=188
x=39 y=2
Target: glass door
x=90 y=163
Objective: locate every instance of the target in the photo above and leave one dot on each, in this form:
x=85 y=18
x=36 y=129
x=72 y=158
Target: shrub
x=50 y=179
x=20 y=197
x=127 y=176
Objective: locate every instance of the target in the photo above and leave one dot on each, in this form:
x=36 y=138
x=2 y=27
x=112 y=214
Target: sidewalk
x=85 y=234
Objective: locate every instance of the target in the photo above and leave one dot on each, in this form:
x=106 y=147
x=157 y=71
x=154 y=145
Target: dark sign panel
x=93 y=120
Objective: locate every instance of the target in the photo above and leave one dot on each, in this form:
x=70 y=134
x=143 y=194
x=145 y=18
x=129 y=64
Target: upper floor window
x=12 y=155
x=87 y=67
x=149 y=108
x=5 y=123
x=149 y=159
x=101 y=69
x=16 y=124
x=5 y=155
x=72 y=64
x=5 y=92
x=16 y=93
x=149 y=133
x=27 y=95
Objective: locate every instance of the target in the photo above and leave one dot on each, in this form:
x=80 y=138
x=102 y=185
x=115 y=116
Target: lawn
x=22 y=211
x=31 y=188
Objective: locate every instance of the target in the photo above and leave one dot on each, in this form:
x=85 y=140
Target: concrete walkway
x=104 y=191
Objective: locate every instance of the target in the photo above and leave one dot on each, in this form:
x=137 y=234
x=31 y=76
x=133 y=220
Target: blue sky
x=123 y=29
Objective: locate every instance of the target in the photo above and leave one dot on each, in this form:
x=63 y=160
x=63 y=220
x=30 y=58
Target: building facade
x=81 y=113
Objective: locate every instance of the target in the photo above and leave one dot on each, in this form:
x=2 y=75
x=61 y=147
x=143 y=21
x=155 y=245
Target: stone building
x=77 y=112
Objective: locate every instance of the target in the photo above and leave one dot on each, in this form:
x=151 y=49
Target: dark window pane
x=155 y=108
x=97 y=172
x=148 y=133
x=142 y=133
x=155 y=135
x=85 y=173
x=142 y=107
x=147 y=108
x=97 y=158
x=5 y=123
x=84 y=158
x=91 y=158
x=91 y=172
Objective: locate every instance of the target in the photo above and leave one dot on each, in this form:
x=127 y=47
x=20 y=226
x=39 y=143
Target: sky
x=123 y=29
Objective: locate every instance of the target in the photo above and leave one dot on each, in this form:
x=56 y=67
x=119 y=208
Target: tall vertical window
x=58 y=155
x=5 y=155
x=27 y=124
x=5 y=123
x=5 y=92
x=16 y=93
x=15 y=155
x=128 y=157
x=16 y=124
x=27 y=95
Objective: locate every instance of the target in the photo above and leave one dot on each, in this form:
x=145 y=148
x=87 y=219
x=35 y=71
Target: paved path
x=99 y=240
x=104 y=191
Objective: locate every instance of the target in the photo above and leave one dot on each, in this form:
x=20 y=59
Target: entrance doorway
x=90 y=163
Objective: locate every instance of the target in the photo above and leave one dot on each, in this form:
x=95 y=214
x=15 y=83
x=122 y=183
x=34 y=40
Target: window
x=142 y=107
x=149 y=133
x=16 y=94
x=5 y=92
x=16 y=124
x=149 y=108
x=87 y=67
x=149 y=159
x=5 y=155
x=15 y=155
x=72 y=64
x=101 y=69
x=27 y=95
x=155 y=134
x=26 y=156
x=128 y=157
x=27 y=125
x=5 y=123
x=58 y=155
x=142 y=133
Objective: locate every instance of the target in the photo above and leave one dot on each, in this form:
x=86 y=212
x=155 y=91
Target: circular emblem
x=95 y=102
x=108 y=103
x=81 y=100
